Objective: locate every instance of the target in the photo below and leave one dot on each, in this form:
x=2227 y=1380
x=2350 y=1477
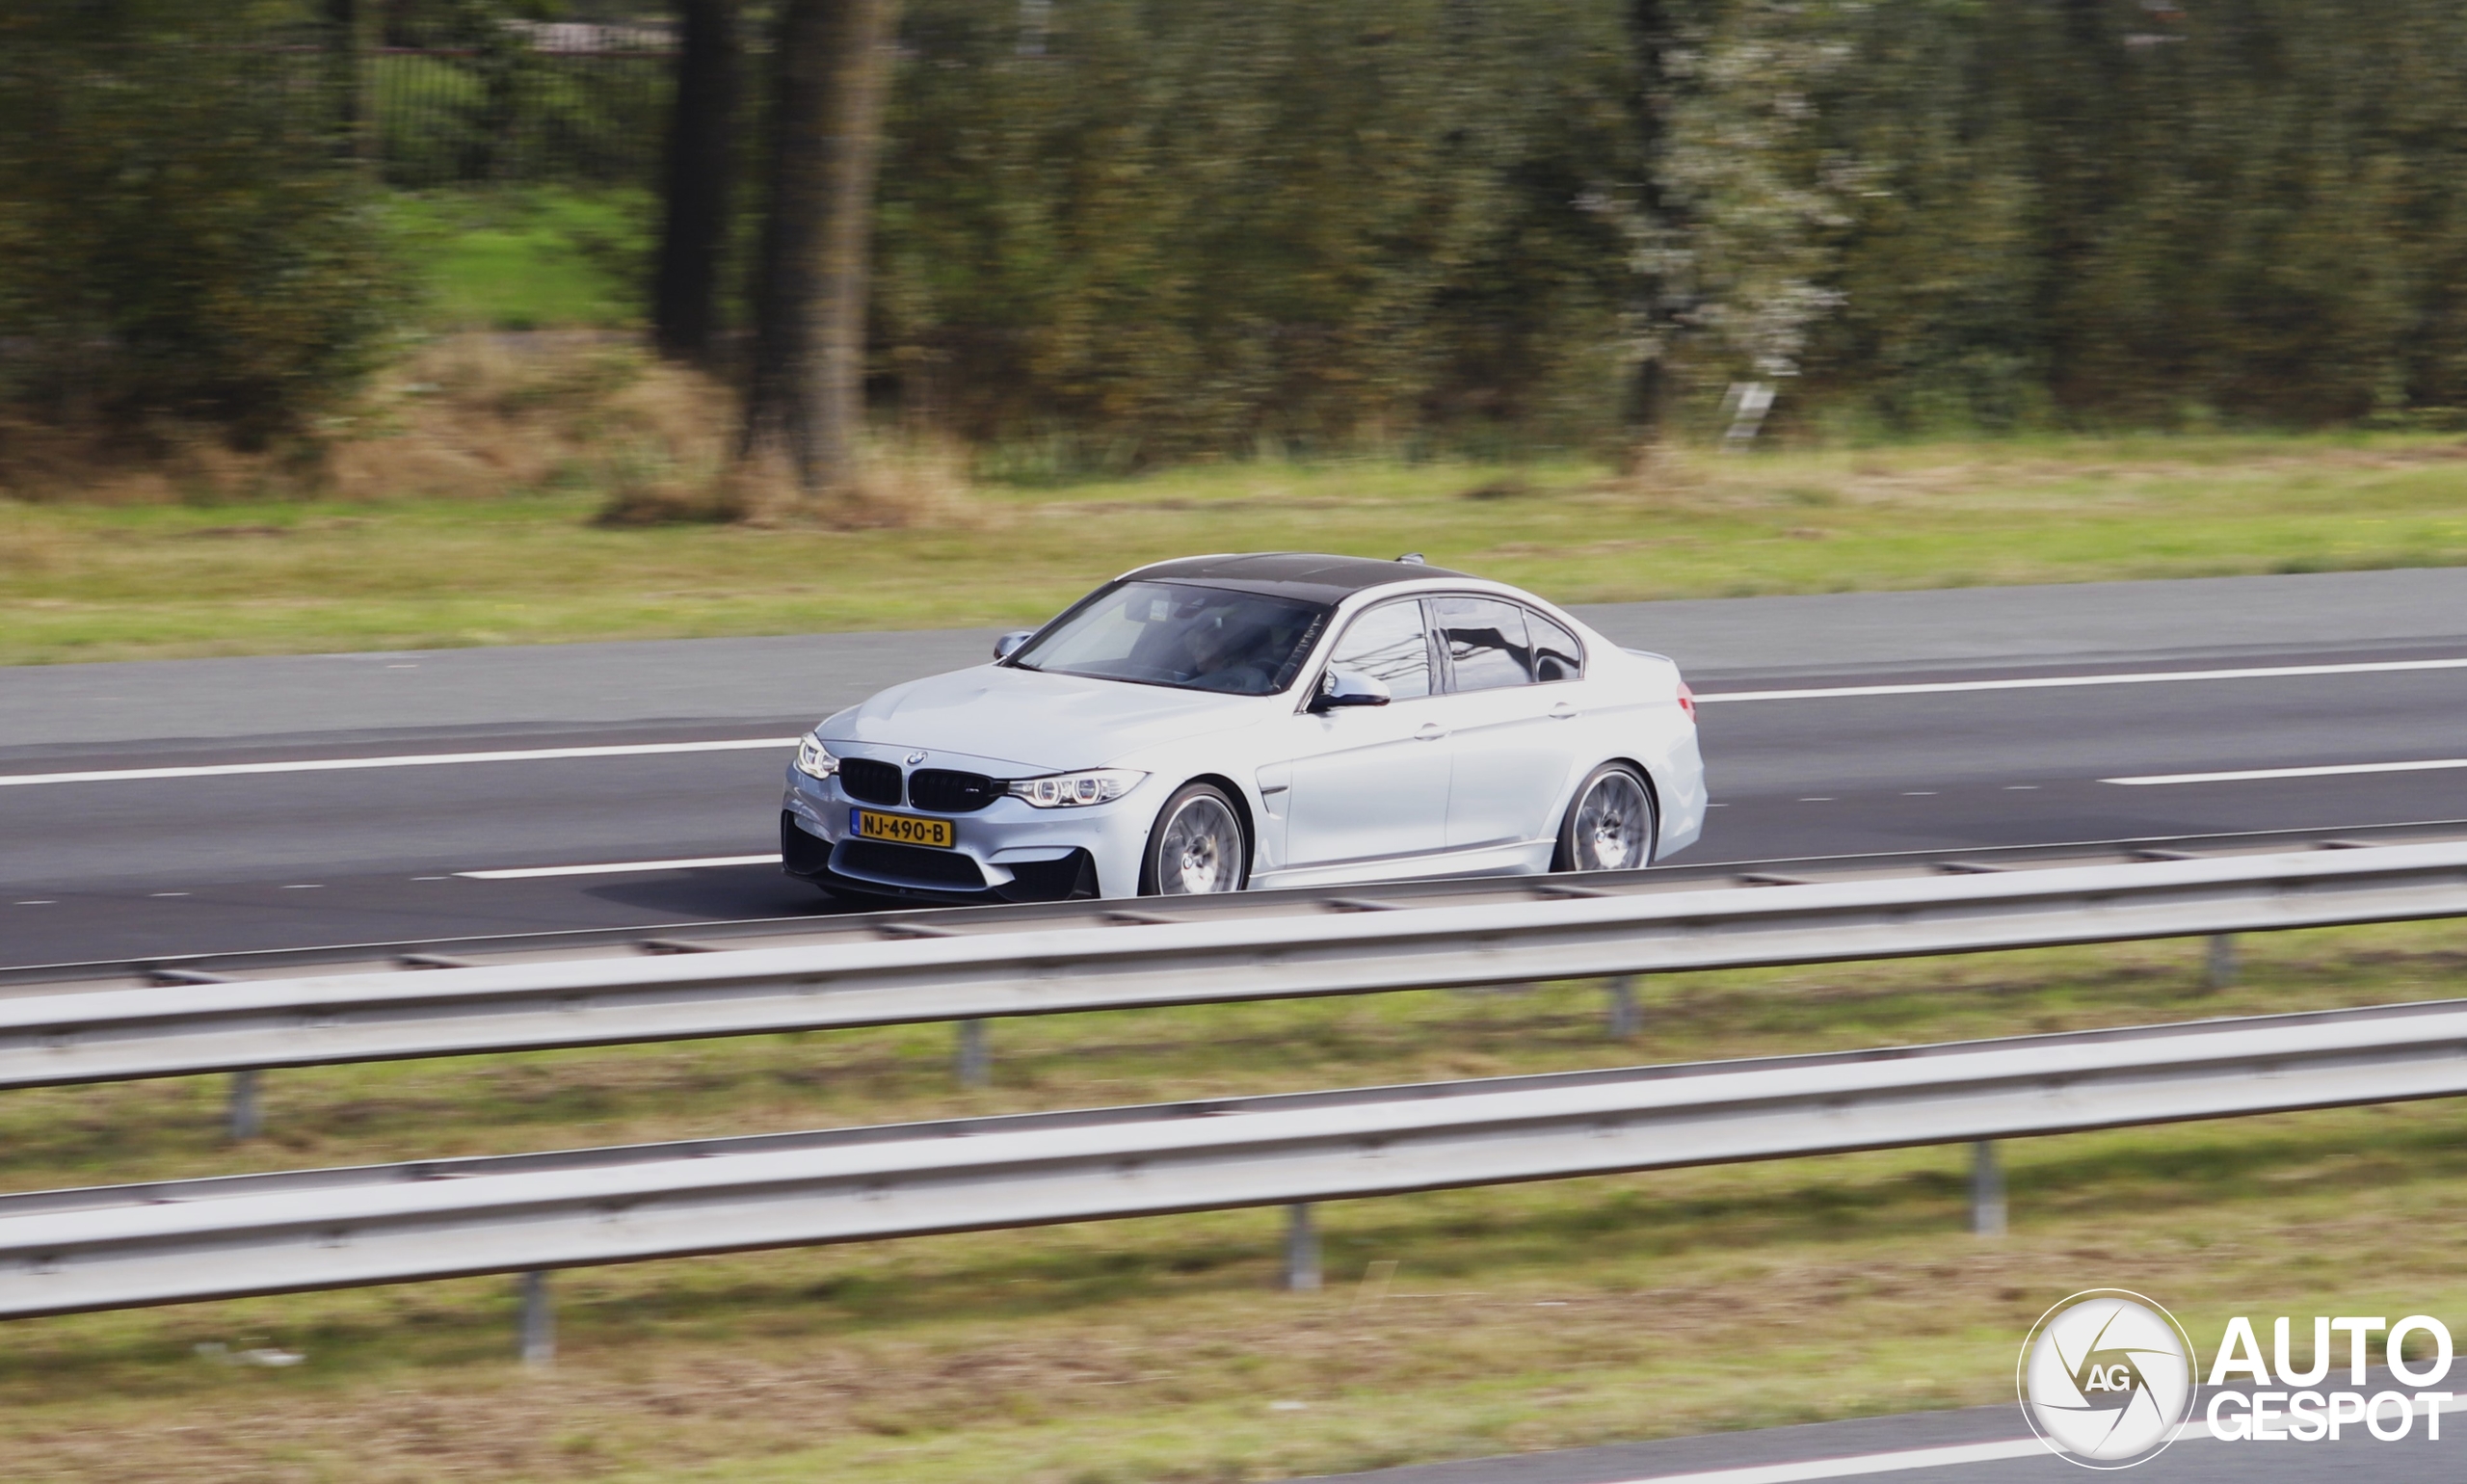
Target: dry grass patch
x=606 y=523
x=484 y=416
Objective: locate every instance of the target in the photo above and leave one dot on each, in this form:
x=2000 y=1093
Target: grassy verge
x=231 y=577
x=1512 y=1318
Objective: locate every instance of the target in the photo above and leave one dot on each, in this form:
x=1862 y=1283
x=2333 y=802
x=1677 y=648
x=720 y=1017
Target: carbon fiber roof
x=1310 y=576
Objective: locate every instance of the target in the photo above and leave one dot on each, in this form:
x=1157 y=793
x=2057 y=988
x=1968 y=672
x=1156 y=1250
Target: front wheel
x=1610 y=826
x=1197 y=847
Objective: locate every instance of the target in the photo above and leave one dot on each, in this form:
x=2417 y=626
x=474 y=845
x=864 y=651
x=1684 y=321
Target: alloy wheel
x=1202 y=851
x=1611 y=825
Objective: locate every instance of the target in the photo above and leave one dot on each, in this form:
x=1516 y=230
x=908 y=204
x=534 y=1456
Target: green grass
x=1516 y=1317
x=529 y=258
x=101 y=582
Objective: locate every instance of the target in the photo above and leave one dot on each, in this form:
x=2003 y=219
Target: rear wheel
x=1611 y=825
x=1197 y=847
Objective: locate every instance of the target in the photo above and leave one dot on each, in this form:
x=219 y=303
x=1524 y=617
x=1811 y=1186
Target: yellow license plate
x=906 y=829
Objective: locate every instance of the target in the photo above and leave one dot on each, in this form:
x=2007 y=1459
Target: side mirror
x=1004 y=647
x=1349 y=688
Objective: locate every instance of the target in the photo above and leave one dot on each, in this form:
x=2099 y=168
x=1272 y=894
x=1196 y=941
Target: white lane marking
x=405 y=761
x=1865 y=1462
x=43 y=902
x=1928 y=1458
x=2251 y=775
x=611 y=869
x=747 y=743
x=2061 y=682
x=167 y=894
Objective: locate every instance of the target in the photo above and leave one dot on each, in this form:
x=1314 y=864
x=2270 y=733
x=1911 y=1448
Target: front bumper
x=1006 y=851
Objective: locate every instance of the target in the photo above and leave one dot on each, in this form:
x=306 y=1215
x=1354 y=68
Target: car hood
x=1036 y=721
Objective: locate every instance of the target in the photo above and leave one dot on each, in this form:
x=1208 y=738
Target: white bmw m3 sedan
x=1225 y=723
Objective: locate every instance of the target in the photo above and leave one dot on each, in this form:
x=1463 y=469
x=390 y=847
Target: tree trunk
x=806 y=396
x=701 y=150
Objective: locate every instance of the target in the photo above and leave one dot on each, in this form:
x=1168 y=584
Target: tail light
x=1686 y=701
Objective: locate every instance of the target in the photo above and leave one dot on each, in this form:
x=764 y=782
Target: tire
x=1197 y=846
x=1612 y=824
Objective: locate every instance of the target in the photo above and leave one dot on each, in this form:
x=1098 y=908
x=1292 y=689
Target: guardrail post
x=242 y=1121
x=539 y=1322
x=975 y=1064
x=2220 y=970
x=1625 y=1021
x=1986 y=1190
x=1301 y=1250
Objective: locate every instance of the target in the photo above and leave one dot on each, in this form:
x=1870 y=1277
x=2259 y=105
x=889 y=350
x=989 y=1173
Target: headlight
x=1071 y=791
x=812 y=760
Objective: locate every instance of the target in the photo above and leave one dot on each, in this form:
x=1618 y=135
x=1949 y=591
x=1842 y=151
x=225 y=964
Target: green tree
x=1147 y=230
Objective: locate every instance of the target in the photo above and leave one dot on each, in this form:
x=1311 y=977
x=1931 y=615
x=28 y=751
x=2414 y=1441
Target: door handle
x=1431 y=732
x=1562 y=712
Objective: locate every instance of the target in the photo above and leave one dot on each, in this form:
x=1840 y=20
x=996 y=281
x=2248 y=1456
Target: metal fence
x=484 y=104
x=586 y=105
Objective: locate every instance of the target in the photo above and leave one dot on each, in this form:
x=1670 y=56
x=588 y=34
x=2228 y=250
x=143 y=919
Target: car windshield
x=1169 y=633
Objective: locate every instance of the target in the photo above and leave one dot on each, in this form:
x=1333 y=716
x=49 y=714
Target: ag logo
x=2107 y=1379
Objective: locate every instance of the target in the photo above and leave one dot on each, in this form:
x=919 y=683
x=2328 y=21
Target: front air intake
x=946 y=791
x=908 y=864
x=868 y=781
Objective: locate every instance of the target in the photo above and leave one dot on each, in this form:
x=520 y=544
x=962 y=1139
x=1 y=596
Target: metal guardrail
x=197 y=1027
x=173 y=1241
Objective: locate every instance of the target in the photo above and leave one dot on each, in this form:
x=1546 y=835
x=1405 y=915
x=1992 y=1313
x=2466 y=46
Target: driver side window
x=1388 y=643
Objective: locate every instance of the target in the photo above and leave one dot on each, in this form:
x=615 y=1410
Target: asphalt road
x=127 y=867
x=1947 y=1447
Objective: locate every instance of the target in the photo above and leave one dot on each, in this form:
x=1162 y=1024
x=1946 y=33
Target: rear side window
x=1487 y=643
x=1557 y=655
x=1389 y=644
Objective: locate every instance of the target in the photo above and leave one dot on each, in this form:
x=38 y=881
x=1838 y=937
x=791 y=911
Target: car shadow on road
x=720 y=893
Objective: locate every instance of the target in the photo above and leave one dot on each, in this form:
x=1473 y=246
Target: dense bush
x=182 y=233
